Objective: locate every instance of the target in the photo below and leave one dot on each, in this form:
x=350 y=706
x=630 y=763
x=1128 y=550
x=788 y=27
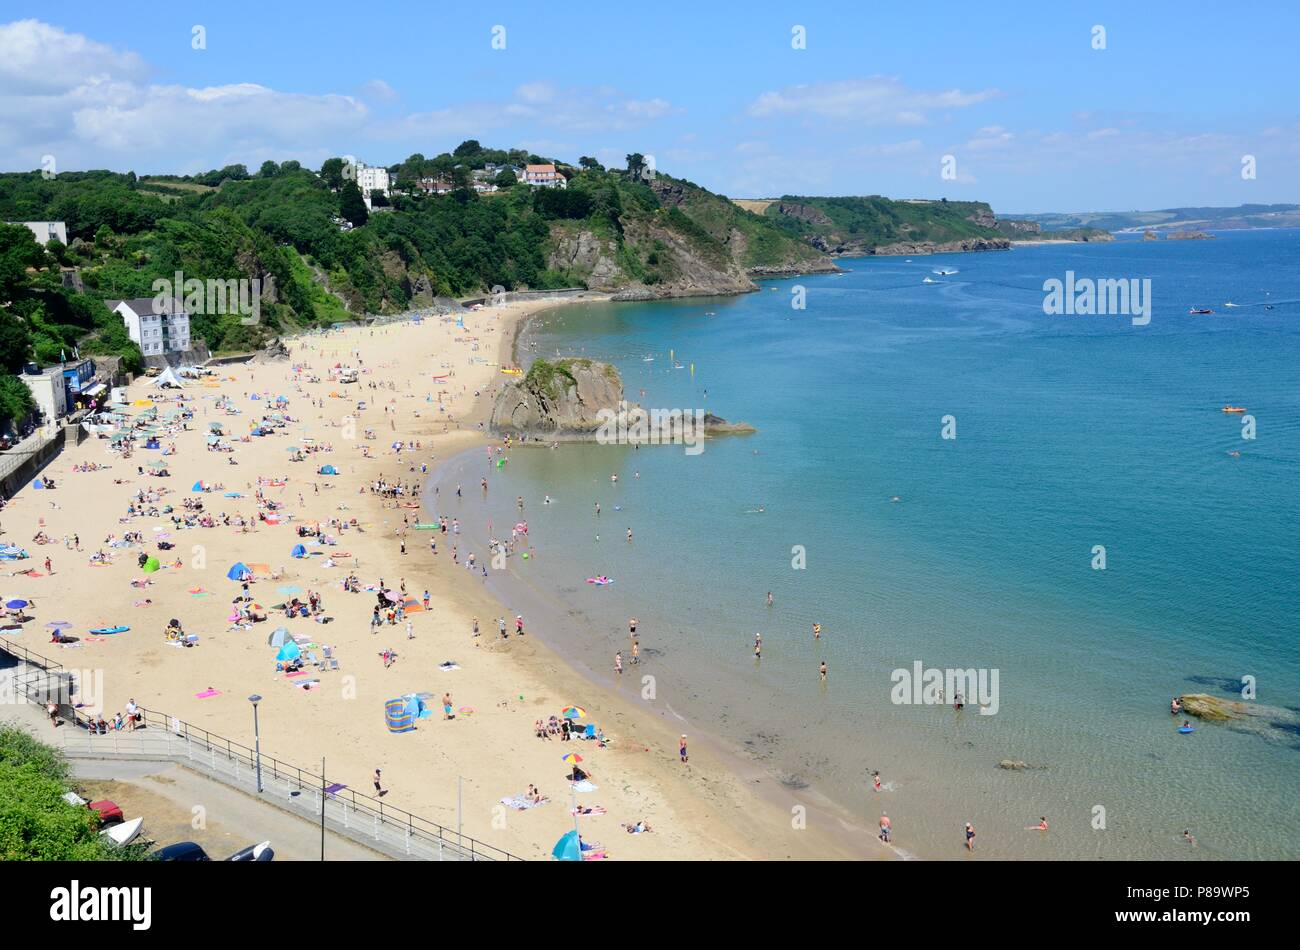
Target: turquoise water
x=1071 y=432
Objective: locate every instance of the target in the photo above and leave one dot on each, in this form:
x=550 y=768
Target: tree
x=505 y=179
x=468 y=149
x=590 y=164
x=18 y=252
x=352 y=205
x=332 y=173
x=378 y=199
x=269 y=169
x=635 y=165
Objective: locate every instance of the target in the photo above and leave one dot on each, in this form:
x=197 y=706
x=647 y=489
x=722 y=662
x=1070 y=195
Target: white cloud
x=876 y=100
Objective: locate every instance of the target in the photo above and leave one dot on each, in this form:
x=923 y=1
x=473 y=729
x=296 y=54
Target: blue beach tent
x=298 y=551
x=237 y=571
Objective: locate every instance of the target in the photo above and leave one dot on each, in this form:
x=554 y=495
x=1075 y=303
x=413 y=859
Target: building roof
x=541 y=169
x=145 y=305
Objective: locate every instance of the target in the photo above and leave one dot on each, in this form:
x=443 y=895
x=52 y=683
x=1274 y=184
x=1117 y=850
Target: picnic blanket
x=520 y=803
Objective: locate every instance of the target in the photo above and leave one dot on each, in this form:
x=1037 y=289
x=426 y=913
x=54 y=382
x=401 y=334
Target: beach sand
x=705 y=810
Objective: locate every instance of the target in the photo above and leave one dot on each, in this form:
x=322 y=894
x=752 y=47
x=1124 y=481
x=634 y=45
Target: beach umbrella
x=571 y=758
x=573 y=712
x=16 y=604
x=289 y=589
x=568 y=848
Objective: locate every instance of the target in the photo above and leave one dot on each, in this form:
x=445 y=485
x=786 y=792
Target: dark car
x=181 y=851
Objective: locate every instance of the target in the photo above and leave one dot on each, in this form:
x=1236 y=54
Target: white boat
x=1231 y=304
x=928 y=280
x=123 y=833
x=647 y=359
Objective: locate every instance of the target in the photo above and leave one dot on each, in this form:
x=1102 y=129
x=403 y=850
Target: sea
x=1055 y=507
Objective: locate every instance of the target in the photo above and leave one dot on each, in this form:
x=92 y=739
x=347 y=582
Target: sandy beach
x=432 y=382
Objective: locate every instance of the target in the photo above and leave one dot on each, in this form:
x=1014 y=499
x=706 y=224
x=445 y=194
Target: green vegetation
x=36 y=824
x=873 y=221
x=323 y=258
x=1244 y=216
x=551 y=379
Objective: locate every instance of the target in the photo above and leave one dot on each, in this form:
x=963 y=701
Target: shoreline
x=700 y=811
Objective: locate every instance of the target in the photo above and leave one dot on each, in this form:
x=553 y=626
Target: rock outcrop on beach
x=582 y=400
x=1018 y=765
x=1274 y=723
x=1188 y=236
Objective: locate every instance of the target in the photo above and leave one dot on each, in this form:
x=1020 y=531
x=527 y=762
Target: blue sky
x=1034 y=117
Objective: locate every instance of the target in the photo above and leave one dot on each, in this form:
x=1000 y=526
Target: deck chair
x=333 y=665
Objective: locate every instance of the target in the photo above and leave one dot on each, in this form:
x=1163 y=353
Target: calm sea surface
x=1073 y=433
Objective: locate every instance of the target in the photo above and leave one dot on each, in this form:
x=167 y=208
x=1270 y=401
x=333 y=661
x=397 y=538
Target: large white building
x=371 y=178
x=544 y=176
x=46 y=231
x=157 y=331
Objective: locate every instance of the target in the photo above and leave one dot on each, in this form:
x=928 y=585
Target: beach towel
x=594 y=811
x=207 y=694
x=583 y=786
x=520 y=803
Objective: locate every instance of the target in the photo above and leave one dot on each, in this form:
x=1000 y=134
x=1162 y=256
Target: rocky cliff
x=582 y=400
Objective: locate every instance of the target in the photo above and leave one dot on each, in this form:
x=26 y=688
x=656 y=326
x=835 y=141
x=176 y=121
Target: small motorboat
x=1200 y=310
x=1231 y=304
x=647 y=359
x=1235 y=409
x=123 y=833
x=945 y=271
x=928 y=280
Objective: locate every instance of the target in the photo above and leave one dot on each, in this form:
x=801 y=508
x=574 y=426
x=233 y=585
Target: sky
x=1033 y=107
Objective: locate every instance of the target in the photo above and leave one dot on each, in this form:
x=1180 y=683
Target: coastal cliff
x=581 y=400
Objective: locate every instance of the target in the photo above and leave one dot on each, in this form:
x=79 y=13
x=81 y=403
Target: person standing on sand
x=886 y=828
x=378 y=788
x=476 y=626
x=409 y=634
x=970 y=837
x=681 y=750
x=875 y=780
x=501 y=625
x=618 y=663
x=636 y=653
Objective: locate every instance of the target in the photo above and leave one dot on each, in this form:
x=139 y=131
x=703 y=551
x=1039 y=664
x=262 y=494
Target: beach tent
x=298 y=551
x=280 y=637
x=290 y=651
x=198 y=486
x=237 y=571
x=568 y=848
x=328 y=470
x=151 y=565
x=168 y=379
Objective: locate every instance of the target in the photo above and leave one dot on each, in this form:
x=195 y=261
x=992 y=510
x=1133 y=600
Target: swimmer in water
x=1189 y=837
x=896 y=498
x=1041 y=826
x=823 y=671
x=817 y=631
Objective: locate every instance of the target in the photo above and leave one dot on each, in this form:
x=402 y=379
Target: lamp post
x=257 y=740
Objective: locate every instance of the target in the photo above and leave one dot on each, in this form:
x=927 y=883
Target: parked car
x=181 y=851
x=108 y=812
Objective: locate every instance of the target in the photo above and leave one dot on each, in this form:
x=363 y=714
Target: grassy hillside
x=1245 y=216
x=866 y=223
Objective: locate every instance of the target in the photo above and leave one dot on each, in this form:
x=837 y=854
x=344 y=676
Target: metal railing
x=355 y=814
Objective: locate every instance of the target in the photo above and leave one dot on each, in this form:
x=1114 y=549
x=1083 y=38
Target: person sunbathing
x=641 y=827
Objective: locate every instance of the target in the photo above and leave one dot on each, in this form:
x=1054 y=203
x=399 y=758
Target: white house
x=544 y=176
x=371 y=178
x=157 y=331
x=46 y=231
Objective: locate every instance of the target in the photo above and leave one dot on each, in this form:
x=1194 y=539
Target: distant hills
x=1171 y=219
x=872 y=224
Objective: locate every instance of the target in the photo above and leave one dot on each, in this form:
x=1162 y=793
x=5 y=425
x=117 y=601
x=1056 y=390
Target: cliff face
x=582 y=400
x=563 y=398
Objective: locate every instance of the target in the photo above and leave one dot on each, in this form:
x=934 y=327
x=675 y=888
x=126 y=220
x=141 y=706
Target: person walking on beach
x=379 y=790
x=476 y=626
x=681 y=750
x=446 y=707
x=886 y=829
x=409 y=634
x=636 y=653
x=501 y=625
x=970 y=837
x=618 y=663
x=375 y=621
